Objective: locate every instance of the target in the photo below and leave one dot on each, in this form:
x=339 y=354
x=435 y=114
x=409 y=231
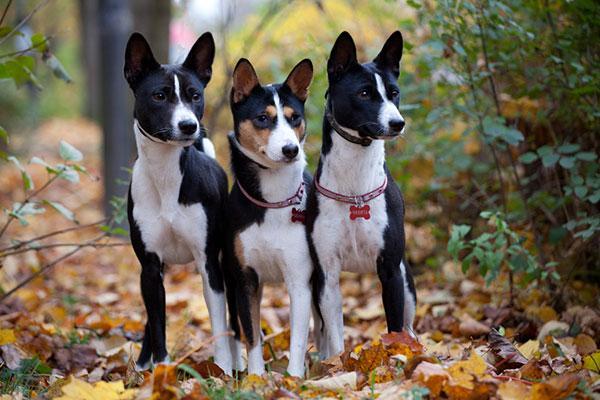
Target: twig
x=48 y=266
x=5 y=11
x=55 y=233
x=11 y=218
x=55 y=245
x=24 y=20
x=19 y=52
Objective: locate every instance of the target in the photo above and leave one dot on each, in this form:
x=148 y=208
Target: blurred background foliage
x=499 y=161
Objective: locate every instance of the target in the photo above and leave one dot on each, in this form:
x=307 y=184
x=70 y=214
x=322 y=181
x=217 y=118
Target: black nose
x=188 y=127
x=396 y=124
x=290 y=150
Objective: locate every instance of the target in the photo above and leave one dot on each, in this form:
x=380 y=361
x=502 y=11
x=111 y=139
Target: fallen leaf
x=585 y=344
x=347 y=380
x=472 y=328
x=556 y=388
x=77 y=389
x=553 y=328
x=513 y=390
x=7 y=336
x=592 y=362
x=164 y=382
x=433 y=376
x=507 y=355
x=529 y=349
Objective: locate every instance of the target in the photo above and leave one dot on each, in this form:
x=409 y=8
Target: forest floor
x=74 y=332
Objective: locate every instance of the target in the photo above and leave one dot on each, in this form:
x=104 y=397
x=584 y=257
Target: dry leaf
x=348 y=380
x=592 y=362
x=77 y=389
x=472 y=328
x=513 y=390
x=556 y=388
x=433 y=376
x=7 y=336
x=585 y=344
x=507 y=355
x=529 y=349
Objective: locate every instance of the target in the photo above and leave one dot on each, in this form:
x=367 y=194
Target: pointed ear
x=244 y=80
x=300 y=78
x=139 y=60
x=201 y=56
x=391 y=53
x=343 y=55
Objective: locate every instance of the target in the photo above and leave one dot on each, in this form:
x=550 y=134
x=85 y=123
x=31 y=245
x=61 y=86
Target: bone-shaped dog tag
x=360 y=212
x=298 y=215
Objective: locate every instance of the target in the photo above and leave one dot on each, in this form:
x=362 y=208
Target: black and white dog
x=266 y=236
x=177 y=193
x=355 y=211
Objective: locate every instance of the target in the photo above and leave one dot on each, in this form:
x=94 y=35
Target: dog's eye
x=196 y=97
x=394 y=93
x=159 y=96
x=364 y=94
x=295 y=117
x=262 y=118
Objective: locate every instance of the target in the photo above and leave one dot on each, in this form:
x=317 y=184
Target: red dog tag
x=298 y=215
x=360 y=212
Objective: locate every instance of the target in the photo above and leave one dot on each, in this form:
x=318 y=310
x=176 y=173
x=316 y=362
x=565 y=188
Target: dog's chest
x=274 y=246
x=176 y=233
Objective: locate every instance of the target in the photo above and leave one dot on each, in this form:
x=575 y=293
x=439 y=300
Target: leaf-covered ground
x=74 y=333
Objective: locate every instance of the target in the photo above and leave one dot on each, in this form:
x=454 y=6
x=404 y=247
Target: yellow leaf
x=464 y=373
x=77 y=389
x=530 y=348
x=7 y=336
x=592 y=362
x=512 y=390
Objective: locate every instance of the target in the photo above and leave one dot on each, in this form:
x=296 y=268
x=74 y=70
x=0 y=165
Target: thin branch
x=21 y=52
x=46 y=267
x=24 y=20
x=5 y=12
x=11 y=218
x=55 y=245
x=55 y=233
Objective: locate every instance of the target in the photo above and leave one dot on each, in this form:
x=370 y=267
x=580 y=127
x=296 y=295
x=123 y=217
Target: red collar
x=292 y=201
x=359 y=200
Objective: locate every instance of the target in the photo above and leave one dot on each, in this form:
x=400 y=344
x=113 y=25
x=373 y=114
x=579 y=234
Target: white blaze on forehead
x=388 y=110
x=181 y=112
x=282 y=134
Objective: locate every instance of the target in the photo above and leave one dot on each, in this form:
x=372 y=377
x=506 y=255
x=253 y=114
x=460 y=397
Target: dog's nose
x=188 y=126
x=396 y=124
x=290 y=150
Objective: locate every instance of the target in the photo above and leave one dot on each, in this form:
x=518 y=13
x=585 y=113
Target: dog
x=266 y=236
x=355 y=211
x=178 y=192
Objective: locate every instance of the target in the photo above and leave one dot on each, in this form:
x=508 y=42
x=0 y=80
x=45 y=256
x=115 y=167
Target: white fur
x=278 y=251
x=209 y=148
x=182 y=113
x=282 y=135
x=342 y=244
x=175 y=232
x=388 y=110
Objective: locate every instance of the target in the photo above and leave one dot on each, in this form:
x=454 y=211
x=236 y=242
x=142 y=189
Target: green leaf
x=581 y=191
x=39 y=161
x=567 y=162
x=57 y=68
x=496 y=129
x=68 y=214
x=528 y=157
x=5 y=30
x=68 y=152
x=550 y=159
x=586 y=156
x=27 y=181
x=39 y=42
x=568 y=148
x=3 y=134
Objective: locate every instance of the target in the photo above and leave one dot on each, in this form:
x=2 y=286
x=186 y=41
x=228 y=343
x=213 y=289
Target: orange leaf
x=556 y=388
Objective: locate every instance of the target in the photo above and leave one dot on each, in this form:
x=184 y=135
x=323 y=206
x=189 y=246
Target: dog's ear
x=391 y=53
x=244 y=80
x=300 y=78
x=201 y=56
x=343 y=55
x=139 y=60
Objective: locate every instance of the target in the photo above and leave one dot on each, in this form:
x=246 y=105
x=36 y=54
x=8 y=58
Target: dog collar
x=291 y=201
x=358 y=208
x=363 y=141
x=146 y=134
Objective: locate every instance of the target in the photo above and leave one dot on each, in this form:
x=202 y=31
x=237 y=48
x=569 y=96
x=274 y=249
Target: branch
x=24 y=20
x=55 y=233
x=11 y=218
x=55 y=245
x=20 y=52
x=5 y=11
x=46 y=267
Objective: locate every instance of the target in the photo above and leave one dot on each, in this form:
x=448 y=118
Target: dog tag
x=298 y=215
x=360 y=212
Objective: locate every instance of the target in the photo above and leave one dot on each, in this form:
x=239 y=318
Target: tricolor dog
x=178 y=192
x=355 y=211
x=267 y=240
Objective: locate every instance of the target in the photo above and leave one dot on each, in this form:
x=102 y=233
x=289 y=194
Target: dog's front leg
x=214 y=296
x=330 y=303
x=300 y=299
x=392 y=285
x=153 y=293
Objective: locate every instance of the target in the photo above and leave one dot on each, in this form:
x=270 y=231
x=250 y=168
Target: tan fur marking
x=288 y=111
x=238 y=249
x=254 y=140
x=271 y=111
x=299 y=130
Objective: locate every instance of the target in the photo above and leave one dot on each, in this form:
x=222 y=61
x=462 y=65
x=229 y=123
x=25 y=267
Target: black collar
x=363 y=141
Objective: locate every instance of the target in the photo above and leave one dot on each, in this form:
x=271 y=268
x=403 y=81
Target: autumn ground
x=66 y=334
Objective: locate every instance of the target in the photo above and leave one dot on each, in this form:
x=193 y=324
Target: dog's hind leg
x=300 y=300
x=410 y=297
